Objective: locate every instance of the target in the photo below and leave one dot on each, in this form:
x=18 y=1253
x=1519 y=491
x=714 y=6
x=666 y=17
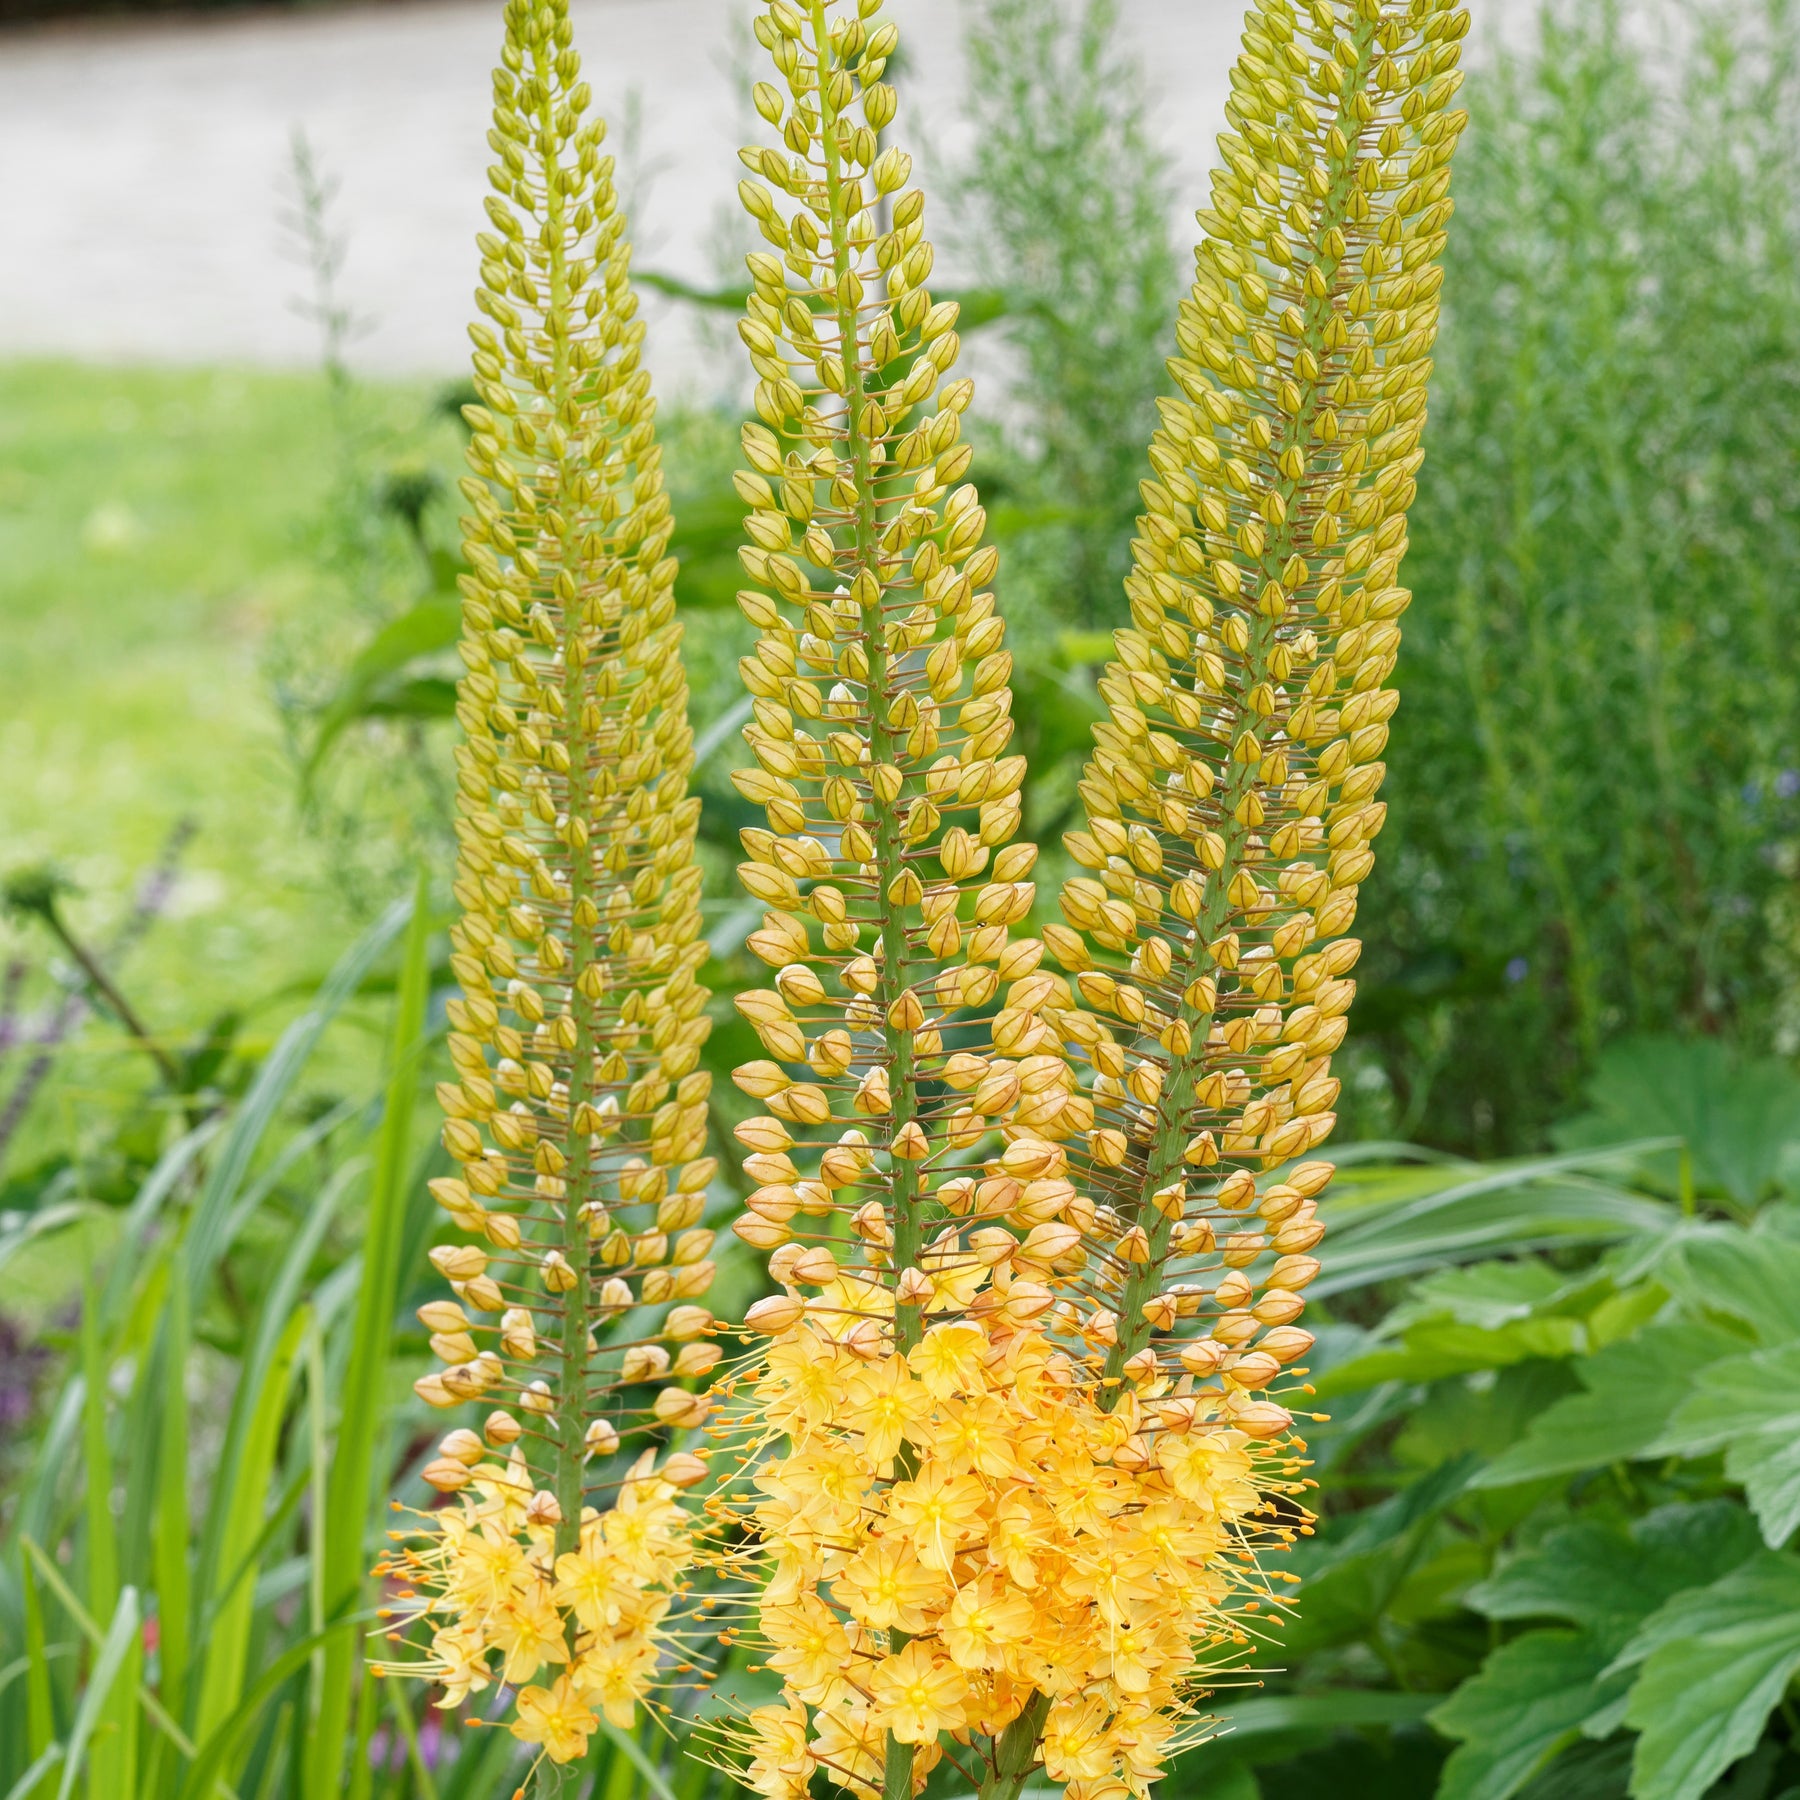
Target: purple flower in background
x=1517 y=969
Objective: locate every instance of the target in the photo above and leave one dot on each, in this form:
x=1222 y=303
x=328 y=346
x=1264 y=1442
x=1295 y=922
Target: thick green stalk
x=890 y=850
x=572 y=1384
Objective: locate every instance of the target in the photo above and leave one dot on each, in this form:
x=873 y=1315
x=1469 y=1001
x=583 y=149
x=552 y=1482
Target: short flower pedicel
x=1030 y=1458
x=579 y=1116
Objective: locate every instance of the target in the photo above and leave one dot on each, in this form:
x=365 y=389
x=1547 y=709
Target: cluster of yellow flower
x=1043 y=1237
x=965 y=1536
x=1015 y=1439
x=579 y=1116
x=491 y=1571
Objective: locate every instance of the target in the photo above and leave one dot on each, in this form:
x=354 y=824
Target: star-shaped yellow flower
x=556 y=1717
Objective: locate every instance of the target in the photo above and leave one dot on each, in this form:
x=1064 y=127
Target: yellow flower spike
x=578 y=1118
x=881 y=698
x=1231 y=800
x=1030 y=1453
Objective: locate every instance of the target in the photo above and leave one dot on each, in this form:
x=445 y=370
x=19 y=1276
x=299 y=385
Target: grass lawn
x=156 y=527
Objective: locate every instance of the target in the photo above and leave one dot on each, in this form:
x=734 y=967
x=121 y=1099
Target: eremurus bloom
x=1043 y=1237
x=579 y=1115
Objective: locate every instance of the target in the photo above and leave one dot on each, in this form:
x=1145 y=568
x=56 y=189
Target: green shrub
x=1596 y=803
x=1063 y=210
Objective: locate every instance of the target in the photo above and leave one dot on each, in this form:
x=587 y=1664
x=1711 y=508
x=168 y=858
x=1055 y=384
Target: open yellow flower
x=919 y=1694
x=556 y=1717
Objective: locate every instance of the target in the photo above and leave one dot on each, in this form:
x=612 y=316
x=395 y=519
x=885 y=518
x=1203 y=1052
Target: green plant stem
x=107 y=991
x=890 y=850
x=1016 y=1754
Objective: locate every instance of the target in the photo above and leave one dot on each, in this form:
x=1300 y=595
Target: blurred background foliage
x=1560 y=1320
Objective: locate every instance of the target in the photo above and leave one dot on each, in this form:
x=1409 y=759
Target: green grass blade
x=483 y=1758
x=115 y=1650
x=153 y=1193
x=174 y=1581
x=274 y=1324
x=401 y=1708
x=359 y=1424
x=368 y=1710
x=228 y=1640
x=209 y=1230
x=89 y=1629
x=154 y=1709
x=208 y=1763
x=319 y=1473
x=636 y=1754
x=113 y=1760
x=40 y=1498
x=102 y=1543
x=139 y=1339
x=40 y=1703
x=29 y=1783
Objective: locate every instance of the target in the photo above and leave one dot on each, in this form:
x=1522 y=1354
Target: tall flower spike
x=1022 y=1529
x=882 y=720
x=952 y=1497
x=579 y=1116
x=1231 y=800
x=882 y=705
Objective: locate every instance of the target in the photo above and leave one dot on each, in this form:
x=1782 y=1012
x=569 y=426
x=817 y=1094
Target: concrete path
x=145 y=166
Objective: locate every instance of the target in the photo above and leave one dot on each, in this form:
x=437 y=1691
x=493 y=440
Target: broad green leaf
x=1586 y=1771
x=432 y=625
x=1736 y=1116
x=1526 y=1703
x=1597 y=1574
x=1215 y=1774
x=1456 y=1418
x=1608 y=1580
x=1352 y=1577
x=1436 y=1348
x=1489 y=1294
x=23 y=1230
x=1750 y=1407
x=1630 y=1390
x=1752 y=1276
x=1715 y=1663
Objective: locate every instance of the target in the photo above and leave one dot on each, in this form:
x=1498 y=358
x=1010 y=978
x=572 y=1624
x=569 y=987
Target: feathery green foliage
x=1603 y=680
x=1062 y=207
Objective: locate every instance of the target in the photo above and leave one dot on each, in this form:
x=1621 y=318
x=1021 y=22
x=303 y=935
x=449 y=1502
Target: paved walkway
x=147 y=165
